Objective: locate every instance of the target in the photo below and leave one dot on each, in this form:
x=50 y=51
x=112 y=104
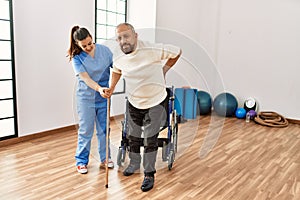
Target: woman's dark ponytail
x=77 y=34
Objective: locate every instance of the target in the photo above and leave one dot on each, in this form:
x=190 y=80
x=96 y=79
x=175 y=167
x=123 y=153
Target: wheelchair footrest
x=161 y=142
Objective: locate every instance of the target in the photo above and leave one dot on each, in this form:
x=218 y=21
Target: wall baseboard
x=37 y=135
x=74 y=127
x=293 y=121
x=71 y=128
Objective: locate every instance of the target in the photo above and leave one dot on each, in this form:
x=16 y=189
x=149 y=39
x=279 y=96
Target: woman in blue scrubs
x=91 y=63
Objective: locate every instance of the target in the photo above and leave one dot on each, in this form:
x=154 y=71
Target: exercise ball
x=204 y=102
x=240 y=113
x=225 y=104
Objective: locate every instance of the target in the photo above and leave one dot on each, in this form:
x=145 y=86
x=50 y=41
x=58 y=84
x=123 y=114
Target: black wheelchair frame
x=168 y=145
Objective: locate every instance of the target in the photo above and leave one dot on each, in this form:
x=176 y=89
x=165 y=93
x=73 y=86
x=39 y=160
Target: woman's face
x=86 y=45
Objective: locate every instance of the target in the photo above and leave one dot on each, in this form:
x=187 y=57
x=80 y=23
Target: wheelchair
x=168 y=144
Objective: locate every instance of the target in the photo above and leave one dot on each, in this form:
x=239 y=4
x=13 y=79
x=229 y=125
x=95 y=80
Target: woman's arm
x=92 y=84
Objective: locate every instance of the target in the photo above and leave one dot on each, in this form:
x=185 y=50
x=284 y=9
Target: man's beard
x=129 y=48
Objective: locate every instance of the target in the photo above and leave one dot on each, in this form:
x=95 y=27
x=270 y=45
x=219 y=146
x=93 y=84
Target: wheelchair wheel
x=164 y=152
x=121 y=156
x=171 y=159
x=175 y=137
x=174 y=126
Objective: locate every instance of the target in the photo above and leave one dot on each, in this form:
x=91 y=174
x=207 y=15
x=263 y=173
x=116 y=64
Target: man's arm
x=170 y=62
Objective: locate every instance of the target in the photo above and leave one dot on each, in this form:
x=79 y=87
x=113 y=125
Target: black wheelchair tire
x=171 y=159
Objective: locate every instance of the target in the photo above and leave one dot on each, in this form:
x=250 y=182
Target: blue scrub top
x=97 y=68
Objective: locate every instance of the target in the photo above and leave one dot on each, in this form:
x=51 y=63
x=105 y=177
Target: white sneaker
x=82 y=169
x=109 y=165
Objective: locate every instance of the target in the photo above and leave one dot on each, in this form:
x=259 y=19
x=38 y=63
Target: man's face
x=126 y=38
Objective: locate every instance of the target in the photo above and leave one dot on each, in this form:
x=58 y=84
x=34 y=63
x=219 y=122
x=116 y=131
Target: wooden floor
x=248 y=161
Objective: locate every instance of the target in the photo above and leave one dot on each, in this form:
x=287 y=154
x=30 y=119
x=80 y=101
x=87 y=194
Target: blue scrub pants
x=89 y=114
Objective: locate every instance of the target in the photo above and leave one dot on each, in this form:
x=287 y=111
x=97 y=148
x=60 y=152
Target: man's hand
x=105 y=92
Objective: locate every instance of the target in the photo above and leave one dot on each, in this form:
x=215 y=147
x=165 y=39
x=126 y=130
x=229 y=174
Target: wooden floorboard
x=248 y=161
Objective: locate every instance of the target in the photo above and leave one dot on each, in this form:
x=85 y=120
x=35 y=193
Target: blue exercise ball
x=240 y=113
x=204 y=102
x=225 y=104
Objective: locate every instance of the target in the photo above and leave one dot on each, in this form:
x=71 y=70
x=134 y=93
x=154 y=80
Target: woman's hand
x=105 y=92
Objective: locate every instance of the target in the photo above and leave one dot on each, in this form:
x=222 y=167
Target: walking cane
x=107 y=141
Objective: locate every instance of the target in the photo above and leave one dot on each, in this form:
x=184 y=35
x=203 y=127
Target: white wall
x=141 y=14
x=255 y=45
x=45 y=78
